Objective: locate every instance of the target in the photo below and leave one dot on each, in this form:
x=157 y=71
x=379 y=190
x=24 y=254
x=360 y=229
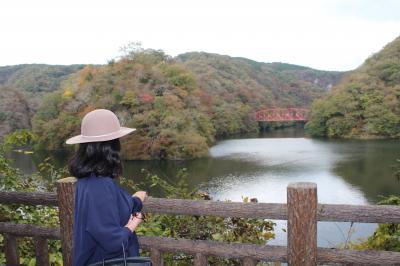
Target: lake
x=261 y=166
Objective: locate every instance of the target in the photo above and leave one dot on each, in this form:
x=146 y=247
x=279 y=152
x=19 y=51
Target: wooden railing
x=302 y=212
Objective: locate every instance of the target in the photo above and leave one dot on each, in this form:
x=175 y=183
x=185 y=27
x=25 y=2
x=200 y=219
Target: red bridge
x=282 y=114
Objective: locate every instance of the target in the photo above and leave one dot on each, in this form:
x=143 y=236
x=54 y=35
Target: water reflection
x=371 y=166
x=276 y=163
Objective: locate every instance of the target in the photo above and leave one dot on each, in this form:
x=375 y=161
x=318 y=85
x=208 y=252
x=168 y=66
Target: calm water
x=346 y=172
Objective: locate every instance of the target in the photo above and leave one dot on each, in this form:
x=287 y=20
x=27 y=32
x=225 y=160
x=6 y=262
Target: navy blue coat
x=102 y=209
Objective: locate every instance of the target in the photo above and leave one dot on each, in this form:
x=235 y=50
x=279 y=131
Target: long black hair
x=100 y=158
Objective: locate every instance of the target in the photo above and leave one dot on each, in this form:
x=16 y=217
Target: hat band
x=103 y=135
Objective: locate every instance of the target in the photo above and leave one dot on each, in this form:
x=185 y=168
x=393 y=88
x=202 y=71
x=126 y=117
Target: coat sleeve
x=137 y=204
x=103 y=218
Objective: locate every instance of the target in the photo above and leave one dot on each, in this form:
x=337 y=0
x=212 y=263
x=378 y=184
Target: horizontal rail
x=276 y=211
x=266 y=252
x=29 y=198
x=221 y=249
x=29 y=230
x=359 y=213
x=214 y=248
x=357 y=257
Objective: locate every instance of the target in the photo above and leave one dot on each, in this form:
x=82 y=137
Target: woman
x=105 y=215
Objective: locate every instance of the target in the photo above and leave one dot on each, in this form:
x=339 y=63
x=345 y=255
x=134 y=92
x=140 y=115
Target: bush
x=386 y=236
x=238 y=230
x=11 y=179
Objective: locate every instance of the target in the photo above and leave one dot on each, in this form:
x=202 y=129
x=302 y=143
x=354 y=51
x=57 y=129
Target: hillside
x=366 y=103
x=22 y=88
x=14 y=111
x=179 y=105
x=35 y=77
x=258 y=83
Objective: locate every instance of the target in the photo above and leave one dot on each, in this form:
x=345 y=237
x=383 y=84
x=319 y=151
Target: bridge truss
x=281 y=114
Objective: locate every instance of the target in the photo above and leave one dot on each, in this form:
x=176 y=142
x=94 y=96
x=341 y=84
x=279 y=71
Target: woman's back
x=102 y=208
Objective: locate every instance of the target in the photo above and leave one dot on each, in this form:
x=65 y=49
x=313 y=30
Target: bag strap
x=123 y=250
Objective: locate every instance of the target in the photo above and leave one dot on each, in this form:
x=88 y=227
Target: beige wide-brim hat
x=100 y=125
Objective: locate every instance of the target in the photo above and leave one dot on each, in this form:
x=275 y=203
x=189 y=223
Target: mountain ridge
x=195 y=97
x=179 y=105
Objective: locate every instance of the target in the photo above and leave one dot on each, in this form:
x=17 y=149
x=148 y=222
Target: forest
x=365 y=104
x=22 y=90
x=179 y=105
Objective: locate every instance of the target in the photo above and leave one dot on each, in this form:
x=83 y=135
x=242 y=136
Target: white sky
x=329 y=35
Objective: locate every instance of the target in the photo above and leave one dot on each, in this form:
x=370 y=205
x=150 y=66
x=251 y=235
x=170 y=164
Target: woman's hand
x=142 y=195
x=133 y=223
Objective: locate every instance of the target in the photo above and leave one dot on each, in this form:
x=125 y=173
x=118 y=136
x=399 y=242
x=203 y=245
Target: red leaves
x=146 y=98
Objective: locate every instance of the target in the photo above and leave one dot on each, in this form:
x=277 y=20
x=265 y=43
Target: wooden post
x=249 y=262
x=41 y=251
x=302 y=224
x=11 y=250
x=200 y=260
x=66 y=195
x=156 y=257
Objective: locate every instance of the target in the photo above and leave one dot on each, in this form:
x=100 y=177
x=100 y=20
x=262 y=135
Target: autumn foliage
x=178 y=105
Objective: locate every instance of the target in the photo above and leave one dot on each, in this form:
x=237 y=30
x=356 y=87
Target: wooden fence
x=302 y=212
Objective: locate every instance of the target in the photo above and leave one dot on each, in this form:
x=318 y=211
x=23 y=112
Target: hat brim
x=115 y=135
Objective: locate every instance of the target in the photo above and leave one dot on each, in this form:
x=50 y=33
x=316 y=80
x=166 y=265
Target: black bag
x=130 y=261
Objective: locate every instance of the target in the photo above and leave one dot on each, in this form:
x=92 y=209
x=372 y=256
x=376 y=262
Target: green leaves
x=386 y=236
x=11 y=179
x=365 y=104
x=179 y=76
x=239 y=230
x=19 y=138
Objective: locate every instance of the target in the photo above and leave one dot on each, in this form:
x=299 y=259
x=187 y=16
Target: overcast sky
x=329 y=35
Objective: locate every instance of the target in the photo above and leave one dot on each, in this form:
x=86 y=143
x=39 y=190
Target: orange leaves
x=86 y=110
x=146 y=98
x=86 y=75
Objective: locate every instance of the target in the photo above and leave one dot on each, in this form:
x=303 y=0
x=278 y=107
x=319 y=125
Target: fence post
x=66 y=195
x=249 y=262
x=302 y=224
x=41 y=251
x=156 y=257
x=11 y=250
x=200 y=260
